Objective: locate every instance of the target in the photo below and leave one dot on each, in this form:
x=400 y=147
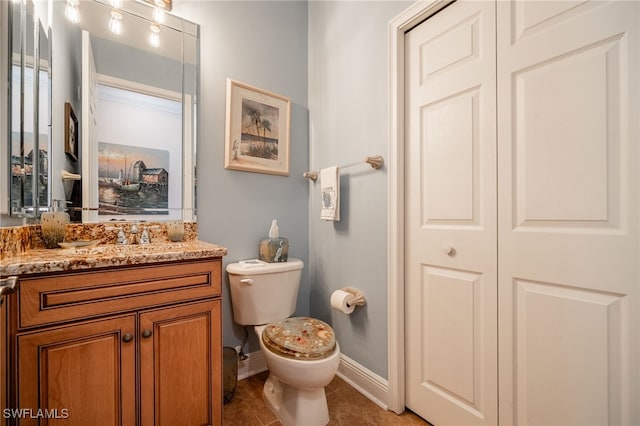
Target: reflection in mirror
x=29 y=112
x=135 y=106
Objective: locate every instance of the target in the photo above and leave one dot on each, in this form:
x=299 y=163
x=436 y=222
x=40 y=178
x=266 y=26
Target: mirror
x=123 y=134
x=138 y=105
x=29 y=112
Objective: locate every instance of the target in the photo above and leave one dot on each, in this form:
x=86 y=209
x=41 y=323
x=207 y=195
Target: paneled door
x=450 y=223
x=568 y=188
x=567 y=78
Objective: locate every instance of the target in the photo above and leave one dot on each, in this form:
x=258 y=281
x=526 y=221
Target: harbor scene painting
x=22 y=169
x=132 y=180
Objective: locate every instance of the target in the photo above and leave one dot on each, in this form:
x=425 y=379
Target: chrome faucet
x=133 y=238
x=135 y=235
x=122 y=238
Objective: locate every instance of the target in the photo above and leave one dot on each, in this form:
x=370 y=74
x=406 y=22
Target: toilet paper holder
x=346 y=299
x=358 y=297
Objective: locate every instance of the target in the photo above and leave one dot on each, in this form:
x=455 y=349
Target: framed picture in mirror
x=257 y=130
x=70 y=132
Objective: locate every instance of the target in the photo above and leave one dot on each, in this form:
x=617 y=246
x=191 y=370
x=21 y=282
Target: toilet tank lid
x=257 y=267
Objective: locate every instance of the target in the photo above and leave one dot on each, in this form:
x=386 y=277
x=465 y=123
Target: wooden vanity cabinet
x=137 y=345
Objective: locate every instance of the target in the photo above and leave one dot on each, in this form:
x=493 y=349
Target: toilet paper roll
x=340 y=301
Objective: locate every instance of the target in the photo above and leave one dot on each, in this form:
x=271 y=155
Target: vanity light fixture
x=167 y=5
x=71 y=11
x=158 y=12
x=115 y=22
x=116 y=4
x=154 y=34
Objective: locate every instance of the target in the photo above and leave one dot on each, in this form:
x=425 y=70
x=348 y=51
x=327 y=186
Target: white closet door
x=568 y=190
x=451 y=272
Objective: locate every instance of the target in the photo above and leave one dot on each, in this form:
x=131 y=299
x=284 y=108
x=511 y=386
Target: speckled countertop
x=53 y=260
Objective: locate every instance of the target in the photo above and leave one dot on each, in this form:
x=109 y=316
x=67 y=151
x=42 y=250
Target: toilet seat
x=300 y=338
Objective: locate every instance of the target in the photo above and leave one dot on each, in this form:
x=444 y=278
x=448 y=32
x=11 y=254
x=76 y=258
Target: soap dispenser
x=54 y=224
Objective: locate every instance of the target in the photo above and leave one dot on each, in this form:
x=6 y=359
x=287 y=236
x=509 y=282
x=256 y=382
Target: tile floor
x=347 y=407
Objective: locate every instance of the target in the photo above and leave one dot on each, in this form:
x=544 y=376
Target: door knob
x=448 y=250
x=127 y=337
x=7 y=286
x=147 y=333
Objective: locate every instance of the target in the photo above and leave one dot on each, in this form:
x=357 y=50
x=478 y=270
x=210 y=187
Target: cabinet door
x=180 y=365
x=83 y=374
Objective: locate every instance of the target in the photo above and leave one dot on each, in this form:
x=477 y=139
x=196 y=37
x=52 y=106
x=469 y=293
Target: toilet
x=301 y=352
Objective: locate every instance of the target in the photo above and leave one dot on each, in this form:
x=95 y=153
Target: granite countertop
x=54 y=260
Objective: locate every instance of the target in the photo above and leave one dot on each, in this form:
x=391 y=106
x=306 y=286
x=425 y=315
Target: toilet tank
x=264 y=292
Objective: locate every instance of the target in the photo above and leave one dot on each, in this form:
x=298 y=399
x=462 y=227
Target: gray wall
x=263 y=44
x=330 y=58
x=349 y=110
x=266 y=44
x=129 y=63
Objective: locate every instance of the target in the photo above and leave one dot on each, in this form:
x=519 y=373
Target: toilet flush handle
x=246 y=281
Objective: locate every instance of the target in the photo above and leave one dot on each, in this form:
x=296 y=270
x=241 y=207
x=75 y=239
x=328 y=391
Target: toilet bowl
x=301 y=352
x=294 y=390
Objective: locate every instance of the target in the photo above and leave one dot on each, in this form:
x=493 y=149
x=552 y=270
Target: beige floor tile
x=347 y=407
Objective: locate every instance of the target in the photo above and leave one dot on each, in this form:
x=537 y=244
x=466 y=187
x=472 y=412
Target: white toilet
x=301 y=353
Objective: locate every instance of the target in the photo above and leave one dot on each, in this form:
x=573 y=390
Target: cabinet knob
x=448 y=250
x=127 y=337
x=147 y=333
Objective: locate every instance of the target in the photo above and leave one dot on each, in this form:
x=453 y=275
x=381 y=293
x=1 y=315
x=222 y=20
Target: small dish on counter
x=79 y=244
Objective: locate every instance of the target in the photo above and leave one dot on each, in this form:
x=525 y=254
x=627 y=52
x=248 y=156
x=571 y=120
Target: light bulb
x=154 y=35
x=71 y=11
x=115 y=22
x=116 y=4
x=158 y=14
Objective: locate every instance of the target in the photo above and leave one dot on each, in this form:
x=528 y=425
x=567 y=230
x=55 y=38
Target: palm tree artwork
x=259 y=130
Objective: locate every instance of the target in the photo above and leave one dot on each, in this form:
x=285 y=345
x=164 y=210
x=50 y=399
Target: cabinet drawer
x=79 y=295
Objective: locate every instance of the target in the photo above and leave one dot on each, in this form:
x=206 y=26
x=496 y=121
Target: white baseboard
x=254 y=364
x=360 y=378
x=364 y=381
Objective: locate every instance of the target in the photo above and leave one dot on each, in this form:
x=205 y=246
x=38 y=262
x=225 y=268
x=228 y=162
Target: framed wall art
x=139 y=166
x=70 y=132
x=257 y=130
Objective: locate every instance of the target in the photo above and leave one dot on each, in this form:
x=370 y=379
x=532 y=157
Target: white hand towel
x=330 y=190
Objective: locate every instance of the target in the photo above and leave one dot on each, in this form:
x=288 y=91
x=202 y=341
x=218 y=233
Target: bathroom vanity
x=116 y=335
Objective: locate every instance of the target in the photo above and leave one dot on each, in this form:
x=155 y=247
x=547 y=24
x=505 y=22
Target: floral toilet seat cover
x=300 y=338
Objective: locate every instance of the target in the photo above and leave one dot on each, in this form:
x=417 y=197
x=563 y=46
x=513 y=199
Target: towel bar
x=376 y=162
